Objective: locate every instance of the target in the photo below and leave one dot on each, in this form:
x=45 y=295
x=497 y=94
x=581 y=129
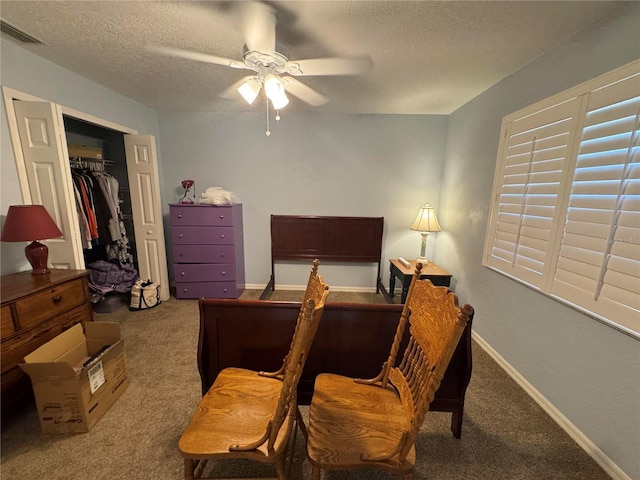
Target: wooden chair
x=250 y=415
x=359 y=424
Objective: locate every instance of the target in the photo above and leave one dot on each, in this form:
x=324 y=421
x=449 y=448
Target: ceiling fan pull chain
x=277 y=115
x=268 y=132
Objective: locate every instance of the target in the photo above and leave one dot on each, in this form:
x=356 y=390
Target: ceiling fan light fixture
x=249 y=90
x=273 y=86
x=280 y=101
x=274 y=89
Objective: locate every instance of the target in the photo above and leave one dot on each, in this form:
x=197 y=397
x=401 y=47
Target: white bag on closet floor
x=144 y=295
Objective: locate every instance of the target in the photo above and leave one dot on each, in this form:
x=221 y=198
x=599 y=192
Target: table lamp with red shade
x=30 y=223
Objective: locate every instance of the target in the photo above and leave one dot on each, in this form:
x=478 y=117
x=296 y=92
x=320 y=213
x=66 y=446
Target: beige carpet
x=505 y=435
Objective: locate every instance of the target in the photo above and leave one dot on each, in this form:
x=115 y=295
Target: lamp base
x=37 y=254
x=422 y=260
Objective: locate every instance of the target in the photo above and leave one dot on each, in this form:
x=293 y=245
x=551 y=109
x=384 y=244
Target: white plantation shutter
x=565 y=216
x=535 y=160
x=599 y=261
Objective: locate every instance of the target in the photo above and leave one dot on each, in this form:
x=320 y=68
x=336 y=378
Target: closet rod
x=89 y=163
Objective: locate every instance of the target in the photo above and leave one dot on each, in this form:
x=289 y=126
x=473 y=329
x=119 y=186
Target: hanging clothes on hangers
x=120 y=247
x=99 y=213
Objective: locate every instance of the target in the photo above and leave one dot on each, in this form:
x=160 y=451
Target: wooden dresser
x=35 y=309
x=208 y=250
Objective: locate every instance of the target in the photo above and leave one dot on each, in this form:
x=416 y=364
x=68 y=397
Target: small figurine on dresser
x=188 y=197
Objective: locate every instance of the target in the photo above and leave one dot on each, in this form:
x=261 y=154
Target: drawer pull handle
x=224 y=273
x=179 y=215
x=184 y=290
x=222 y=255
x=180 y=235
x=222 y=236
x=182 y=274
x=57 y=299
x=221 y=216
x=225 y=290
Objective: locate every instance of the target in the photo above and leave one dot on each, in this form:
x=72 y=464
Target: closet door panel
x=45 y=159
x=144 y=184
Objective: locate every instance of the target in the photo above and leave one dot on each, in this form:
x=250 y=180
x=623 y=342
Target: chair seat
x=236 y=410
x=347 y=419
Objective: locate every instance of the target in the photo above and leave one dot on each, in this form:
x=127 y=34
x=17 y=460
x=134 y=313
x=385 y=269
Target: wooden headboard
x=334 y=239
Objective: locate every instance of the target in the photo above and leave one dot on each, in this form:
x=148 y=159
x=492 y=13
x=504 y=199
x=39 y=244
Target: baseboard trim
x=302 y=287
x=580 y=438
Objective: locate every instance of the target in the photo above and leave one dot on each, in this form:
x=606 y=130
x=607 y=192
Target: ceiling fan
x=273 y=71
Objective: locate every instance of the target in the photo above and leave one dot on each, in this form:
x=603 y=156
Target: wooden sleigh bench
x=352 y=340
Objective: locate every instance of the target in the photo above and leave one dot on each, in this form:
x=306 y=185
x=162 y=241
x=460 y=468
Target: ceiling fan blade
x=303 y=92
x=200 y=57
x=258 y=27
x=330 y=66
x=232 y=91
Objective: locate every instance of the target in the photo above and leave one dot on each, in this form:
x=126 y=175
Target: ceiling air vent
x=17 y=34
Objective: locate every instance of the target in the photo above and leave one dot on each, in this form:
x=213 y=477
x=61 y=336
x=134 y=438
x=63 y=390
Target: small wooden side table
x=438 y=276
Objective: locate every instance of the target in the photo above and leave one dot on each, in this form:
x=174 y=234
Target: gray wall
x=587 y=370
x=312 y=164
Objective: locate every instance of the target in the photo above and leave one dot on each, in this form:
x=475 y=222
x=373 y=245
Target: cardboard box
x=77 y=376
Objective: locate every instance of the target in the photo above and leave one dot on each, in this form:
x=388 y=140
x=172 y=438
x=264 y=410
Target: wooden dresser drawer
x=207 y=290
x=203 y=253
x=202 y=235
x=201 y=215
x=36 y=308
x=8 y=327
x=10 y=377
x=204 y=272
x=14 y=349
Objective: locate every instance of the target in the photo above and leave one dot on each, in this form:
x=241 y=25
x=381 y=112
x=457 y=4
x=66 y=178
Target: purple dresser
x=208 y=253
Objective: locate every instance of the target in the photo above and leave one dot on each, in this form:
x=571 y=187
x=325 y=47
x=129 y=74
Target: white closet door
x=44 y=151
x=144 y=183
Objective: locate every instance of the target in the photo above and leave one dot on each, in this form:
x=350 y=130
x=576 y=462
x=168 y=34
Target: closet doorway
x=40 y=131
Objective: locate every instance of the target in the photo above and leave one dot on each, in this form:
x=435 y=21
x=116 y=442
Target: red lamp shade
x=26 y=223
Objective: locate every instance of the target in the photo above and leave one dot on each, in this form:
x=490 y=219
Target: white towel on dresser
x=217 y=196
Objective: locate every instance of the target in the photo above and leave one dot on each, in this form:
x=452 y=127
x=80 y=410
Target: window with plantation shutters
x=565 y=215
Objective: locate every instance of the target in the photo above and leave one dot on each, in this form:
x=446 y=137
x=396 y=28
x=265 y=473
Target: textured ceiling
x=429 y=57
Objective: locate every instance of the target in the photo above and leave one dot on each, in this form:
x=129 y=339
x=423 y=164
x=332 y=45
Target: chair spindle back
x=435 y=326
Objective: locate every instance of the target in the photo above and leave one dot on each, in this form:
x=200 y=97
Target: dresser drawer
x=203 y=254
x=41 y=306
x=8 y=326
x=207 y=290
x=204 y=272
x=201 y=215
x=202 y=235
x=10 y=378
x=14 y=349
